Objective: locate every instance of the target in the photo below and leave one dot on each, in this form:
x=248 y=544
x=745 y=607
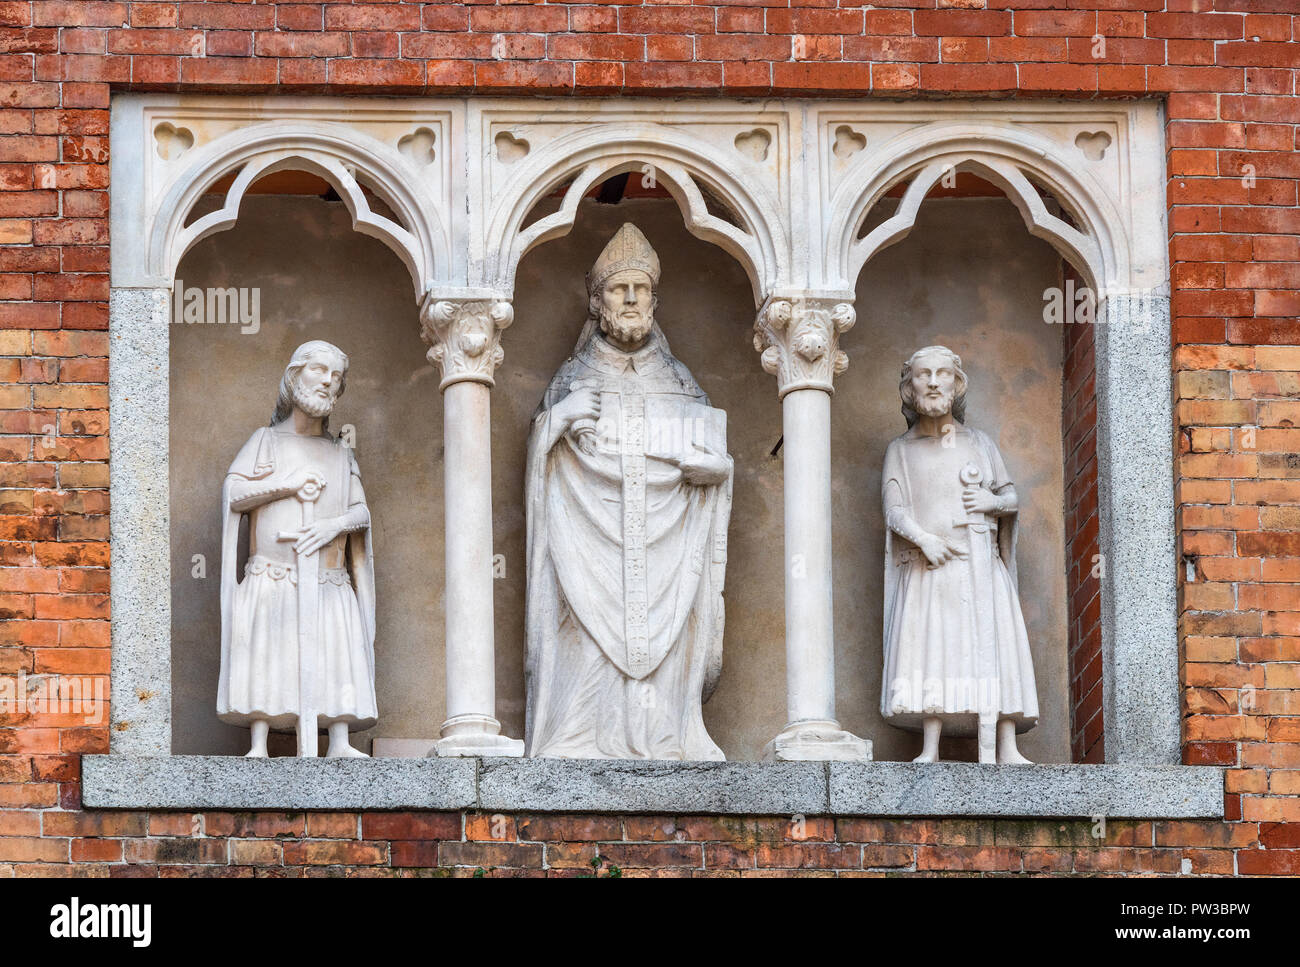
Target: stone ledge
x=232 y=782
x=615 y=786
x=1128 y=791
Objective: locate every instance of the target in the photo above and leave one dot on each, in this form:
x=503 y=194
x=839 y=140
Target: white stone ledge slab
x=1120 y=790
x=611 y=786
x=231 y=782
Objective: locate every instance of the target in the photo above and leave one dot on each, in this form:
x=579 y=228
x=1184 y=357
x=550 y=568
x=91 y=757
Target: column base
x=822 y=741
x=475 y=735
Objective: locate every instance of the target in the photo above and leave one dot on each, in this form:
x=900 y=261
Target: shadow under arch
x=345 y=160
x=1098 y=248
x=588 y=158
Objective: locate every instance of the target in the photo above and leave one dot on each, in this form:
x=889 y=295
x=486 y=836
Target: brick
x=176 y=851
x=969 y=77
x=595 y=47
x=332 y=825
x=657 y=855
x=536 y=77
x=245 y=852
x=372 y=16
x=488 y=855
x=258 y=825
x=493 y=828
x=967 y=858
x=226 y=16
x=571 y=856
x=228 y=71
x=301 y=45
x=96 y=851
x=31 y=849
x=102 y=824
x=1213 y=25
x=585 y=828
x=900 y=49
x=419 y=853
x=410 y=826
x=333 y=853
x=961 y=23
x=808 y=20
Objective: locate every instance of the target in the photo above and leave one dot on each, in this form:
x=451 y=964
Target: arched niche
x=705 y=315
x=316 y=277
x=1109 y=239
x=967 y=275
x=754 y=237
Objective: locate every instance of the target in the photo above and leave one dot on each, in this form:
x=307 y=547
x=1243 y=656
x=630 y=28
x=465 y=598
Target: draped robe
x=625 y=563
x=937 y=663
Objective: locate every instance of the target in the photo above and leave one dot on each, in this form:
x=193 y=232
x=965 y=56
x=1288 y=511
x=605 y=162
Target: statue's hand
x=704 y=468
x=939 y=551
x=978 y=500
x=581 y=404
x=296 y=479
x=316 y=535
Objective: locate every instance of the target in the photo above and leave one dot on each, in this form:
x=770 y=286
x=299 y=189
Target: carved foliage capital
x=799 y=341
x=464 y=337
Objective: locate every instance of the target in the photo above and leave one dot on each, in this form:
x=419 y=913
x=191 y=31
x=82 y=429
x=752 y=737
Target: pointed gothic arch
x=672 y=158
x=340 y=155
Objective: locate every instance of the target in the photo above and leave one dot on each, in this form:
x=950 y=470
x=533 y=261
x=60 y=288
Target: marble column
x=464 y=339
x=798 y=339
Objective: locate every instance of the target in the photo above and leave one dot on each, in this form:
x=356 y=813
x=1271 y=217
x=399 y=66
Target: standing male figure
x=956 y=648
x=628 y=496
x=295 y=656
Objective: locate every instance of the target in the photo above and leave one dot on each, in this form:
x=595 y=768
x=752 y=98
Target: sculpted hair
x=909 y=397
x=301 y=356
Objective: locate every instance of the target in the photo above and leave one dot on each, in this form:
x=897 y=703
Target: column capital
x=464 y=336
x=799 y=339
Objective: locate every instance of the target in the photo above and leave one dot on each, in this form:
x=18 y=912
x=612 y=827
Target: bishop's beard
x=310 y=403
x=625 y=331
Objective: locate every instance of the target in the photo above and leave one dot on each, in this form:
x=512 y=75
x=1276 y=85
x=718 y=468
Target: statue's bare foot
x=258 y=729
x=347 y=752
x=927 y=757
x=1008 y=754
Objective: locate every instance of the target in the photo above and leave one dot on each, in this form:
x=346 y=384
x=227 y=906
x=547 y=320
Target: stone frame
x=792 y=205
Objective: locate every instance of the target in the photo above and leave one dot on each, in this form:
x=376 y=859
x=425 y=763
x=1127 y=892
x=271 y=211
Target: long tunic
x=938 y=661
x=260 y=647
x=625 y=565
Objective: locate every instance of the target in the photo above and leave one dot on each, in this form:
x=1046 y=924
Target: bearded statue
x=298 y=632
x=628 y=497
x=956 y=649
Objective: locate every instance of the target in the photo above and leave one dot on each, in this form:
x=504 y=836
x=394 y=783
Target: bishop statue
x=628 y=498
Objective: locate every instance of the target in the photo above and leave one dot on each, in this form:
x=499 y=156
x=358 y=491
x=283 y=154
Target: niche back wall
x=969 y=276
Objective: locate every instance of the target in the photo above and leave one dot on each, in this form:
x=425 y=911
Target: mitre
x=628 y=249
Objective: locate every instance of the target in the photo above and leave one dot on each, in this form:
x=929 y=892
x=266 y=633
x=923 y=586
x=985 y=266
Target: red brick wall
x=1083 y=566
x=455 y=844
x=1235 y=260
